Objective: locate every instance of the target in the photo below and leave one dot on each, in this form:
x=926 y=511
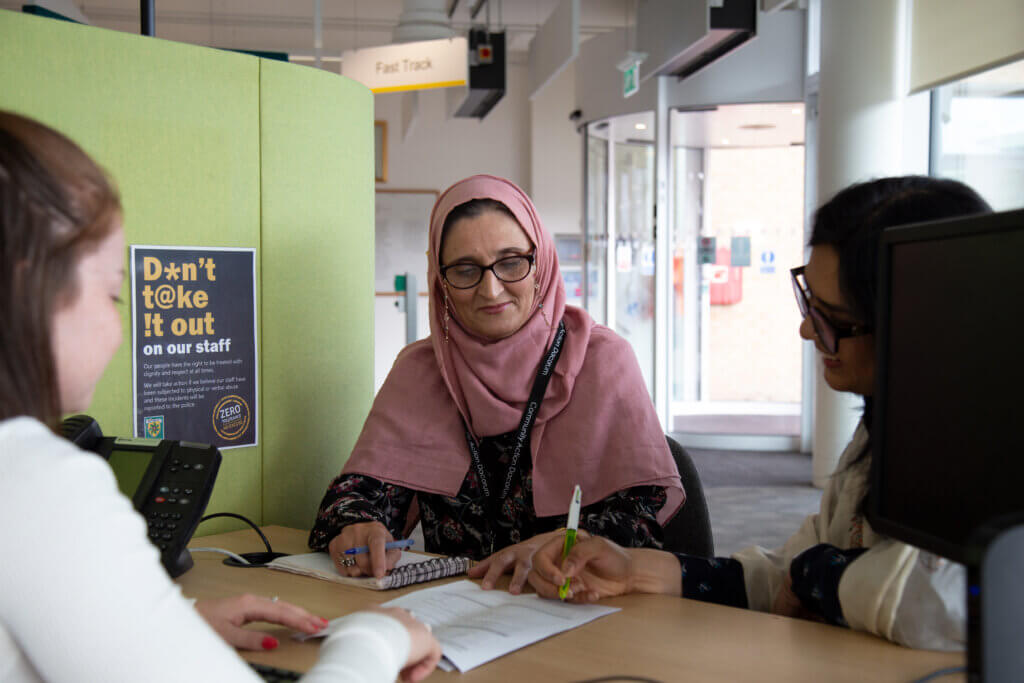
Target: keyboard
x=272 y=675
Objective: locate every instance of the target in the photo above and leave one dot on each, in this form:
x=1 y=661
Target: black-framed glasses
x=829 y=333
x=508 y=269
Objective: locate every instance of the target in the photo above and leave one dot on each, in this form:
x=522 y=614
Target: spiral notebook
x=411 y=568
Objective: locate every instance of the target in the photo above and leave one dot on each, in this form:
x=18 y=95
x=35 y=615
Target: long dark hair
x=56 y=204
x=852 y=223
x=853 y=220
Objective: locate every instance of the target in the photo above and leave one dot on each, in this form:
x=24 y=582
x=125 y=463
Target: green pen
x=570 y=534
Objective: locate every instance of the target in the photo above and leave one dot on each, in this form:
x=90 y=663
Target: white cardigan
x=83 y=596
x=893 y=590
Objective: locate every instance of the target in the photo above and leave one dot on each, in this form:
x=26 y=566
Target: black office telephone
x=169 y=482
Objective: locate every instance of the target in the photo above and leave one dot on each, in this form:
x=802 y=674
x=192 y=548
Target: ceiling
x=272 y=25
x=740 y=125
x=728 y=125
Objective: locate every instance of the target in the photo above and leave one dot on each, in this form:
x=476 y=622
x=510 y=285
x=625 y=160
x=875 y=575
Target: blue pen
x=390 y=545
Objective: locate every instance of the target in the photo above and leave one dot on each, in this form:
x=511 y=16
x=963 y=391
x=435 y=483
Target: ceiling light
x=725 y=141
x=641 y=126
x=795 y=110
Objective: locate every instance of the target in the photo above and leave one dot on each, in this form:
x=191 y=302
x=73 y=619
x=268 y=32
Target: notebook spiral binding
x=436 y=568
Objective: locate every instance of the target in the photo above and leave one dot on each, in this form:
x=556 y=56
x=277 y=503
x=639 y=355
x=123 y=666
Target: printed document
x=475 y=626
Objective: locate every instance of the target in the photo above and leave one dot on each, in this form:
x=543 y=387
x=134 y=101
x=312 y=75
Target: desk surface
x=658 y=637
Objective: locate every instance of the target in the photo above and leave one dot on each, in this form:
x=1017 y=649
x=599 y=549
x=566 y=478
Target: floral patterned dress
x=461 y=525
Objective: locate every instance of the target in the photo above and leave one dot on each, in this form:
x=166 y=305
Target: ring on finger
x=348 y=562
x=273 y=599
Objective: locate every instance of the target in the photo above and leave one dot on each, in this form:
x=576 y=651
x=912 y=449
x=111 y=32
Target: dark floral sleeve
x=353 y=498
x=816 y=573
x=629 y=517
x=716 y=579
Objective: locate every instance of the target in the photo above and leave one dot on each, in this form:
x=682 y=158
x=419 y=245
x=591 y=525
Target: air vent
x=688 y=34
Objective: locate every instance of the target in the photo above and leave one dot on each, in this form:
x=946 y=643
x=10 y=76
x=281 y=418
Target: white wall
x=599 y=82
x=439 y=150
x=556 y=160
x=389 y=333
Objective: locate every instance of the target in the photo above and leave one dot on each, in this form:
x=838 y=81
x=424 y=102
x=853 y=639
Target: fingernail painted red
x=269 y=643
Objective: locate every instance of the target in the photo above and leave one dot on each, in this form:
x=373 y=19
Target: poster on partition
x=194 y=344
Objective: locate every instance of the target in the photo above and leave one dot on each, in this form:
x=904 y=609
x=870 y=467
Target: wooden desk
x=659 y=637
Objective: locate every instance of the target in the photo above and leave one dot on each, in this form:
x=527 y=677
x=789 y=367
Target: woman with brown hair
x=84 y=597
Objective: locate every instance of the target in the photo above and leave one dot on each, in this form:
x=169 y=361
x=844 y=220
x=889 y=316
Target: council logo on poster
x=154 y=426
x=231 y=417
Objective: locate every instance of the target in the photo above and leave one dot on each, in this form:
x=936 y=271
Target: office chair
x=690 y=530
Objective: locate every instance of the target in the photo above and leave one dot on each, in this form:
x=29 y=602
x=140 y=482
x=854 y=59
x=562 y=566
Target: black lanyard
x=540 y=385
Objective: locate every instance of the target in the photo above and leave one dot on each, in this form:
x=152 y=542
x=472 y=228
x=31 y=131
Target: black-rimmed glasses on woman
x=829 y=333
x=508 y=269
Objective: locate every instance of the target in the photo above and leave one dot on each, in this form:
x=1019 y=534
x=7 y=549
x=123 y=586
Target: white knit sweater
x=83 y=596
x=894 y=590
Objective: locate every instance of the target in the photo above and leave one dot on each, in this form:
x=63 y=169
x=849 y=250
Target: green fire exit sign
x=631 y=80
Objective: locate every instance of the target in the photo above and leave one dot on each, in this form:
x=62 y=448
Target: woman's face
x=493 y=309
x=852 y=367
x=87 y=330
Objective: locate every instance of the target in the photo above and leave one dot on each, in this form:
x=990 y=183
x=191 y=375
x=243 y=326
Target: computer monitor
x=948 y=427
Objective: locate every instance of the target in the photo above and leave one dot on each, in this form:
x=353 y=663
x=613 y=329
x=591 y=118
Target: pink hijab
x=596 y=426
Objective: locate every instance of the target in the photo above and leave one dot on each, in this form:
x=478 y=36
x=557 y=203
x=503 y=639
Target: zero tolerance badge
x=231 y=417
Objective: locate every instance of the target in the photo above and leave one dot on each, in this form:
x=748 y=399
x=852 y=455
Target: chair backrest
x=690 y=530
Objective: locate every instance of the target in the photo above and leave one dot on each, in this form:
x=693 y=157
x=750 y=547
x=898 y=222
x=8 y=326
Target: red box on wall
x=726 y=280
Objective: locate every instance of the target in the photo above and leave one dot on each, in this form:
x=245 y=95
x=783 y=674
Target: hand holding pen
x=404 y=544
x=595 y=568
x=372 y=553
x=582 y=568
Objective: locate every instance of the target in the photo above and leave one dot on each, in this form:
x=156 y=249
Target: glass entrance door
x=620 y=251
x=737 y=228
x=595 y=250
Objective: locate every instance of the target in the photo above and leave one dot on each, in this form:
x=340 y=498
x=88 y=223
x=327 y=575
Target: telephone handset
x=169 y=482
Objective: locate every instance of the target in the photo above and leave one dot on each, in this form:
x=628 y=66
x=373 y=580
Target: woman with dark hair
x=835 y=568
x=84 y=596
x=490 y=422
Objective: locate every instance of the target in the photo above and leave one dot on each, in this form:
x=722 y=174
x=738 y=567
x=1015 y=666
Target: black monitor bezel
x=961 y=226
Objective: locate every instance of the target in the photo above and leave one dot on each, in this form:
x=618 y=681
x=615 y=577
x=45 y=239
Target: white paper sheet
x=475 y=626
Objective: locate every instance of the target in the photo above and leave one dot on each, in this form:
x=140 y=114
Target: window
x=978 y=134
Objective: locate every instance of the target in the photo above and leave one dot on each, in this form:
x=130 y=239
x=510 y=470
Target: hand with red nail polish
x=227 y=616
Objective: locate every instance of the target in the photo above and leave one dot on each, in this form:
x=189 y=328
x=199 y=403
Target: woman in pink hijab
x=482 y=430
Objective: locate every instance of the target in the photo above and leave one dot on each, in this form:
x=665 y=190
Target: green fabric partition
x=317 y=264
x=179 y=129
